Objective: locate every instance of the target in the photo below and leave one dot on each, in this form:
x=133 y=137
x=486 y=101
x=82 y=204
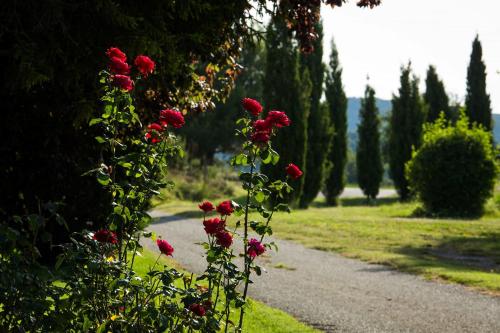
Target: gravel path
x=336 y=294
x=356 y=192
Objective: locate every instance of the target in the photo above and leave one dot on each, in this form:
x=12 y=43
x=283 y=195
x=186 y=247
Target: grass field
x=461 y=251
x=259 y=317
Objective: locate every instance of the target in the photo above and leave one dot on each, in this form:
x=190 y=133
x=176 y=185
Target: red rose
x=260 y=137
x=255 y=248
x=165 y=247
x=172 y=117
x=144 y=64
x=224 y=239
x=123 y=82
x=153 y=137
x=105 y=236
x=118 y=66
x=156 y=127
x=293 y=171
x=116 y=52
x=197 y=309
x=278 y=119
x=261 y=125
x=252 y=106
x=213 y=226
x=206 y=206
x=261 y=131
x=225 y=208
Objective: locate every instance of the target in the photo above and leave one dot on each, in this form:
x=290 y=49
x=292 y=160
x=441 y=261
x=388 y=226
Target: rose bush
x=97 y=287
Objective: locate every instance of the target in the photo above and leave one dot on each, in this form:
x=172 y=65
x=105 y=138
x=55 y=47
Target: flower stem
x=245 y=242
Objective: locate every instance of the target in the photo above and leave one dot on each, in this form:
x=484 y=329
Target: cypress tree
x=283 y=90
x=318 y=124
x=477 y=101
x=435 y=96
x=405 y=131
x=368 y=160
x=337 y=102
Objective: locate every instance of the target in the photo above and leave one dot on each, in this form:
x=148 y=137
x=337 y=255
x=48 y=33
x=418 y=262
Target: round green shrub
x=453 y=173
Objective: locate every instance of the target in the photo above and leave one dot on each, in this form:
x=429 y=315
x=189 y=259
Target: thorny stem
x=245 y=242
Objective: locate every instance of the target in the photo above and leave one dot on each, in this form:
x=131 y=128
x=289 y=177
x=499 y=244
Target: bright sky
x=439 y=32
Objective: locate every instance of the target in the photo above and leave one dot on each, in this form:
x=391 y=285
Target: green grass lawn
x=461 y=251
x=258 y=318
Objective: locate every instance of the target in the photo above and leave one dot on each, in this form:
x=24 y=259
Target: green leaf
x=102 y=327
x=103 y=178
x=240 y=159
x=86 y=324
x=246 y=176
x=100 y=139
x=60 y=260
x=260 y=196
x=275 y=157
x=95 y=121
x=266 y=157
x=126 y=165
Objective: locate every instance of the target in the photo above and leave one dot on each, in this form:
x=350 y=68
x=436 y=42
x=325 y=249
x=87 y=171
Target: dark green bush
x=453 y=173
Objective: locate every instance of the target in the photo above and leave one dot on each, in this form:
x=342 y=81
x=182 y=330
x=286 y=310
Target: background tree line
x=313 y=95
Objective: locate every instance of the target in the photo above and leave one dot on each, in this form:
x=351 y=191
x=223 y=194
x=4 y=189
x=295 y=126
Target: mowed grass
x=258 y=318
x=461 y=251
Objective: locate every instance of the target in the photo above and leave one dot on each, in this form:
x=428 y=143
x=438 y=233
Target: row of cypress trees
x=410 y=111
x=317 y=141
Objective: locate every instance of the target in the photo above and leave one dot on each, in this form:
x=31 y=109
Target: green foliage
x=477 y=100
x=284 y=91
x=98 y=288
x=209 y=132
x=405 y=131
x=454 y=170
x=319 y=130
x=337 y=103
x=368 y=158
x=435 y=96
x=49 y=88
x=27 y=293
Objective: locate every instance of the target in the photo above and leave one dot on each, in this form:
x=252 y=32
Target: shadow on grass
x=471 y=253
x=357 y=202
x=353 y=202
x=168 y=217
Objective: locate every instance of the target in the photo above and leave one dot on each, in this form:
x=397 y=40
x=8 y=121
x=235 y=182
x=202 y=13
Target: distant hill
x=353 y=106
x=384 y=106
x=496 y=127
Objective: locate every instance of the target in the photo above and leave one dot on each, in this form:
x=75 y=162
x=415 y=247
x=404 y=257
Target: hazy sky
x=439 y=32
